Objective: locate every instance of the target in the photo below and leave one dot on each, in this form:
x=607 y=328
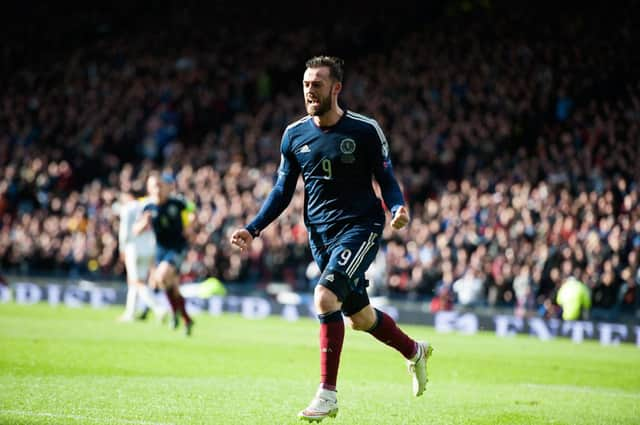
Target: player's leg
x=143 y=270
x=167 y=273
x=382 y=326
x=362 y=316
x=378 y=324
x=144 y=291
x=159 y=280
x=353 y=248
x=328 y=307
x=154 y=288
x=130 y=258
x=156 y=277
x=163 y=277
x=128 y=314
x=331 y=336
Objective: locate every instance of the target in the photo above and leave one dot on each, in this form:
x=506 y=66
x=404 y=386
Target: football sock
x=331 y=339
x=172 y=301
x=385 y=330
x=130 y=307
x=180 y=305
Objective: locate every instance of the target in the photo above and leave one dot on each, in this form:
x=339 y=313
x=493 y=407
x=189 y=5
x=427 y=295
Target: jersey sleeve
x=187 y=212
x=283 y=189
x=383 y=170
x=189 y=206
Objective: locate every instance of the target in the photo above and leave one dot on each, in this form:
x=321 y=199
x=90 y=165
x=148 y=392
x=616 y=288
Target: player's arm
x=278 y=199
x=143 y=222
x=389 y=187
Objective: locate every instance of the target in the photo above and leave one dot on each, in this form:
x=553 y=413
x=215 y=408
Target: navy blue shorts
x=344 y=252
x=172 y=256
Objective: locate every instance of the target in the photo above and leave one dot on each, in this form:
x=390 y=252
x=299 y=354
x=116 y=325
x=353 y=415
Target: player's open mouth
x=313 y=101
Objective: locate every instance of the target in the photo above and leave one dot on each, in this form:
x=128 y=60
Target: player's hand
x=400 y=219
x=242 y=239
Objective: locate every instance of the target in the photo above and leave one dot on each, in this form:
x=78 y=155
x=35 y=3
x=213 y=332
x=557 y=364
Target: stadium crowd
x=516 y=146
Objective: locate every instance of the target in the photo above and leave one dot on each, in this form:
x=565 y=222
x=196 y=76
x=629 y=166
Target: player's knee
x=161 y=278
x=363 y=320
x=153 y=281
x=359 y=324
x=356 y=326
x=353 y=324
x=325 y=300
x=165 y=273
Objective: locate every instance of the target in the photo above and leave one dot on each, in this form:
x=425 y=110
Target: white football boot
x=418 y=368
x=324 y=404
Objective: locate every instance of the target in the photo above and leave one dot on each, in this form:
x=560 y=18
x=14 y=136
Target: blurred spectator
x=524 y=291
x=574 y=299
x=442 y=301
x=629 y=292
x=606 y=295
x=468 y=288
x=515 y=144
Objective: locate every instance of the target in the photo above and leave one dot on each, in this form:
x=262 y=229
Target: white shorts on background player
x=139 y=256
x=139 y=250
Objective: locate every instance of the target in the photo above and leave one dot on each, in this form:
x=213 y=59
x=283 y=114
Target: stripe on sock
x=335 y=316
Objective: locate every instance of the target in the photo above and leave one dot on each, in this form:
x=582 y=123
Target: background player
x=138 y=252
x=164 y=214
x=337 y=152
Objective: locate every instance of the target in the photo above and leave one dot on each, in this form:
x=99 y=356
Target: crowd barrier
x=293 y=306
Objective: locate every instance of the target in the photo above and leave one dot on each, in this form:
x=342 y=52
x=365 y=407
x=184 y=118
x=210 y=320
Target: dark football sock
x=331 y=339
x=386 y=331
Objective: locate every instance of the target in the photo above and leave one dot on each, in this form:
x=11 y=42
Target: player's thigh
x=165 y=267
x=350 y=258
x=354 y=253
x=164 y=271
x=168 y=261
x=320 y=253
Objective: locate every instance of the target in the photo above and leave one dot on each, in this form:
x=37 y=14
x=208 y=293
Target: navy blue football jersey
x=167 y=223
x=337 y=165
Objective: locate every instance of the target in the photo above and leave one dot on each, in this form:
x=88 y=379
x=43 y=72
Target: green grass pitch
x=78 y=366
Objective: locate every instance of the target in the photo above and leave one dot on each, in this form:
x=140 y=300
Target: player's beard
x=324 y=106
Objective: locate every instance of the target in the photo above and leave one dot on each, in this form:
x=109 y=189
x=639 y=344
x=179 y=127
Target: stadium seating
x=516 y=146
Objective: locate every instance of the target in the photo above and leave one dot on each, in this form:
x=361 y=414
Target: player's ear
x=337 y=87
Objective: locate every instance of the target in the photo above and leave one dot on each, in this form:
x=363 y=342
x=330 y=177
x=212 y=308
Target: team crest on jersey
x=172 y=210
x=347 y=147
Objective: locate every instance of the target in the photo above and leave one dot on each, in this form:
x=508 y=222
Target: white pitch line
x=585 y=390
x=80 y=417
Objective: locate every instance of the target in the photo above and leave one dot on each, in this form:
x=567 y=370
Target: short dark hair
x=334 y=63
